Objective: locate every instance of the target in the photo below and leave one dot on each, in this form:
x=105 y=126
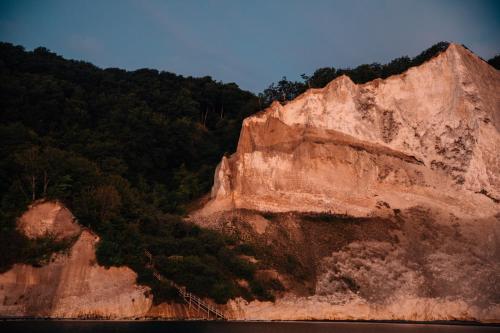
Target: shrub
x=259 y=290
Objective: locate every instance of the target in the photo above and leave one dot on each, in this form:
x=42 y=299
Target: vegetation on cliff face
x=495 y=61
x=126 y=152
x=17 y=248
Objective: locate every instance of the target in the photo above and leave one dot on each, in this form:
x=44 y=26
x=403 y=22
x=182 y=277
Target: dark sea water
x=233 y=327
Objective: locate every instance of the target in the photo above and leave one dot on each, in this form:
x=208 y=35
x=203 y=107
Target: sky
x=249 y=42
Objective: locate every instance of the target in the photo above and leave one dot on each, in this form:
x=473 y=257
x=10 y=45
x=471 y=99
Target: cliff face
x=414 y=157
x=72 y=285
x=428 y=136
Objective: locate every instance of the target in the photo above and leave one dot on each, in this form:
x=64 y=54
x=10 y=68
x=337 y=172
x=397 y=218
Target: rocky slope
x=72 y=284
x=415 y=158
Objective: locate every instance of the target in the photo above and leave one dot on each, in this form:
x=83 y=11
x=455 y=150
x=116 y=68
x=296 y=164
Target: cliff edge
x=429 y=136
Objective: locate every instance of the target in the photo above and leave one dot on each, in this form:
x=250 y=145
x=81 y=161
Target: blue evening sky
x=250 y=42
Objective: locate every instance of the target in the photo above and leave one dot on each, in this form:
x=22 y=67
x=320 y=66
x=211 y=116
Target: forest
x=129 y=152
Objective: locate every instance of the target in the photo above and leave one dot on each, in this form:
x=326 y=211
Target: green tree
x=495 y=61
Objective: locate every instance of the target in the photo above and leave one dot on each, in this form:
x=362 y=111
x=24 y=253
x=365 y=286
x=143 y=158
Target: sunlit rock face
x=72 y=284
x=429 y=136
x=48 y=219
x=416 y=155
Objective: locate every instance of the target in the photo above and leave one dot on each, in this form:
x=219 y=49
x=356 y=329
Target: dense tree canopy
x=495 y=61
x=154 y=128
x=124 y=150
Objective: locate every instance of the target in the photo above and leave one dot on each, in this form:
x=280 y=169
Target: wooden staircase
x=206 y=310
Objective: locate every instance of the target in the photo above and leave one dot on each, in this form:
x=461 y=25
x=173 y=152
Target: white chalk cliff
x=429 y=136
x=416 y=157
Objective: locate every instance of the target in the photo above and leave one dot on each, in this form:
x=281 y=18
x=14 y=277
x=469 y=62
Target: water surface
x=54 y=326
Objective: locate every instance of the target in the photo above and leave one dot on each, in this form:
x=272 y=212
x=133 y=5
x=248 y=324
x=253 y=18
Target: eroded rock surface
x=72 y=285
x=429 y=136
x=419 y=264
x=48 y=219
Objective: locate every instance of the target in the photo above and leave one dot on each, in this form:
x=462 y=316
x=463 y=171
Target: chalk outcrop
x=50 y=219
x=72 y=284
x=429 y=136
